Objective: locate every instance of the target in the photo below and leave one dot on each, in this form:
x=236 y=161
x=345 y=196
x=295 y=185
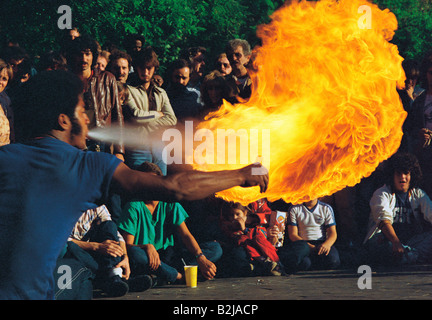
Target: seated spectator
x=149 y=229
x=261 y=208
x=244 y=230
x=100 y=244
x=401 y=216
x=271 y=220
x=313 y=222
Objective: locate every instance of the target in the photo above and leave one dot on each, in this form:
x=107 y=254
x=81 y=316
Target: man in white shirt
x=314 y=222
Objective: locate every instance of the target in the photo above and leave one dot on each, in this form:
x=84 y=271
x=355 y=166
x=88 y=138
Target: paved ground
x=266 y=297
x=408 y=283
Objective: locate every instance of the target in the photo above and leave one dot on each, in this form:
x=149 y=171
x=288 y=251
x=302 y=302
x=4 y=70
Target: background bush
x=172 y=25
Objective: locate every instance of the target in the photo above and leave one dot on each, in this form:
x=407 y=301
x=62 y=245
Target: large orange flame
x=325 y=86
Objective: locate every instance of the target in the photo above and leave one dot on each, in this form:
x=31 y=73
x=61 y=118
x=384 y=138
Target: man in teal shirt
x=149 y=228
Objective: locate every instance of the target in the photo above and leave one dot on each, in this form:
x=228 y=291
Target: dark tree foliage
x=167 y=25
x=171 y=25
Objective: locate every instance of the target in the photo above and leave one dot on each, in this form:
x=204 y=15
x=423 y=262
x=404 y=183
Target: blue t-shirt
x=45 y=186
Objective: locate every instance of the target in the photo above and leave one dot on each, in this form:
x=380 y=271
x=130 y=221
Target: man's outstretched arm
x=187 y=185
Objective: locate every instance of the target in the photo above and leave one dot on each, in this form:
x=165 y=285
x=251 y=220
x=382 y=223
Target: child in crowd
x=244 y=229
x=96 y=243
x=314 y=222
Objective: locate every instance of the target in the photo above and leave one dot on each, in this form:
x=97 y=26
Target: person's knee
x=333 y=262
x=212 y=250
x=138 y=255
x=292 y=254
x=110 y=228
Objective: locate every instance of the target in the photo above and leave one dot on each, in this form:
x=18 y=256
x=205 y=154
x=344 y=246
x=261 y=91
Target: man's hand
x=124 y=264
x=323 y=249
x=273 y=234
x=110 y=248
x=273 y=231
x=390 y=234
x=153 y=255
x=207 y=268
x=255 y=175
x=425 y=136
x=397 y=249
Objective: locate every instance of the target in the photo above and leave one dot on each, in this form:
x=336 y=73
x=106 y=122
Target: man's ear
x=64 y=121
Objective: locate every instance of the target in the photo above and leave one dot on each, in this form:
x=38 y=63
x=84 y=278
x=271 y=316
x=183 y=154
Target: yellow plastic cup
x=191 y=275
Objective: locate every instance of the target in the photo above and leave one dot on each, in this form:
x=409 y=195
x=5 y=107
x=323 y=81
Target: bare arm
x=390 y=234
x=324 y=248
x=187 y=185
x=108 y=247
x=293 y=233
x=294 y=236
x=207 y=268
x=152 y=254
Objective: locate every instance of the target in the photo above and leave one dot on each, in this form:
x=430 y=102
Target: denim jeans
x=79 y=286
x=100 y=264
x=380 y=252
x=171 y=260
x=235 y=263
x=292 y=254
x=134 y=158
x=325 y=262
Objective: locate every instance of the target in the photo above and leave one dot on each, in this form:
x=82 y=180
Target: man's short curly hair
x=41 y=100
x=403 y=162
x=80 y=44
